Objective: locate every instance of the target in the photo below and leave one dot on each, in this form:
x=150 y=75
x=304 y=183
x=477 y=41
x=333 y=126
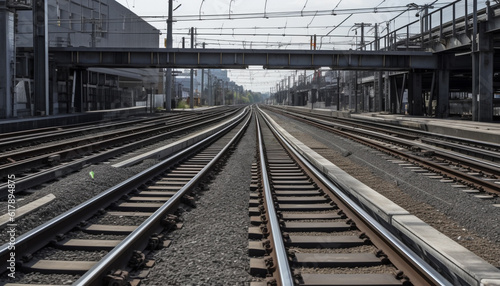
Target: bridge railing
x=19 y=4
x=436 y=26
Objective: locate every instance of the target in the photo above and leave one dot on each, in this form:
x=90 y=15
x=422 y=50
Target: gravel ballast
x=472 y=222
x=224 y=239
x=211 y=247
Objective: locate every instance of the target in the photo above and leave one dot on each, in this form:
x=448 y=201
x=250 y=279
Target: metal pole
x=475 y=64
x=318 y=75
x=202 y=79
x=362 y=45
x=7 y=60
x=168 y=80
x=224 y=92
x=288 y=92
x=191 y=91
x=338 y=90
x=210 y=97
x=41 y=56
x=356 y=91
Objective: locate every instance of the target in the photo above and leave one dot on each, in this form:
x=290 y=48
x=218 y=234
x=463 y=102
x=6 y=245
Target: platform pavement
x=18 y=124
x=483 y=131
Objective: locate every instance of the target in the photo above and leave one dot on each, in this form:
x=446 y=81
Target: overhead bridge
x=242 y=58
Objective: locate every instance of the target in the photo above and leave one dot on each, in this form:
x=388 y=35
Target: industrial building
x=76 y=23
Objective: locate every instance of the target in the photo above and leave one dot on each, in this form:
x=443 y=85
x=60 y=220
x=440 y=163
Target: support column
x=386 y=94
x=7 y=60
x=393 y=95
x=431 y=94
x=378 y=92
x=356 y=101
x=77 y=96
x=475 y=62
x=288 y=92
x=415 y=94
x=443 y=96
x=54 y=93
x=202 y=91
x=41 y=57
x=485 y=97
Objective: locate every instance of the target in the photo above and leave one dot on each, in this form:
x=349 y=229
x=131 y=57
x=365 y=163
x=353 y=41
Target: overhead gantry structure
x=243 y=58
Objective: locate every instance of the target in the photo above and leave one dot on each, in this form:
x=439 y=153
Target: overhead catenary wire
x=243 y=36
x=266 y=34
x=283 y=14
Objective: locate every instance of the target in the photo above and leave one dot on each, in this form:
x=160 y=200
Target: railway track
x=312 y=234
x=32 y=137
x=481 y=149
x=472 y=166
x=117 y=229
x=50 y=162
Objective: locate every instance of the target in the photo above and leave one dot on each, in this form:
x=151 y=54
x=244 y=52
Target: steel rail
x=41 y=235
x=119 y=256
x=477 y=182
x=61 y=170
x=474 y=162
x=381 y=126
x=108 y=137
x=412 y=258
x=50 y=133
x=283 y=267
x=52 y=173
x=493 y=156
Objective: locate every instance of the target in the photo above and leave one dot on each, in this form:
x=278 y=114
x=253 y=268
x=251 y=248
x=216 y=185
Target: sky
x=278 y=24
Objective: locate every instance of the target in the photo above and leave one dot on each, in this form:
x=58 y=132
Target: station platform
x=482 y=131
x=18 y=124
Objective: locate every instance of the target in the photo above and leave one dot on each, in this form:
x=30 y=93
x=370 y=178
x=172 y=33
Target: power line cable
x=285 y=14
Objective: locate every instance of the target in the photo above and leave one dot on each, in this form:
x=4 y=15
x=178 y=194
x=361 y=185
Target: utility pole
x=475 y=64
x=168 y=77
x=361 y=47
x=191 y=94
x=202 y=77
